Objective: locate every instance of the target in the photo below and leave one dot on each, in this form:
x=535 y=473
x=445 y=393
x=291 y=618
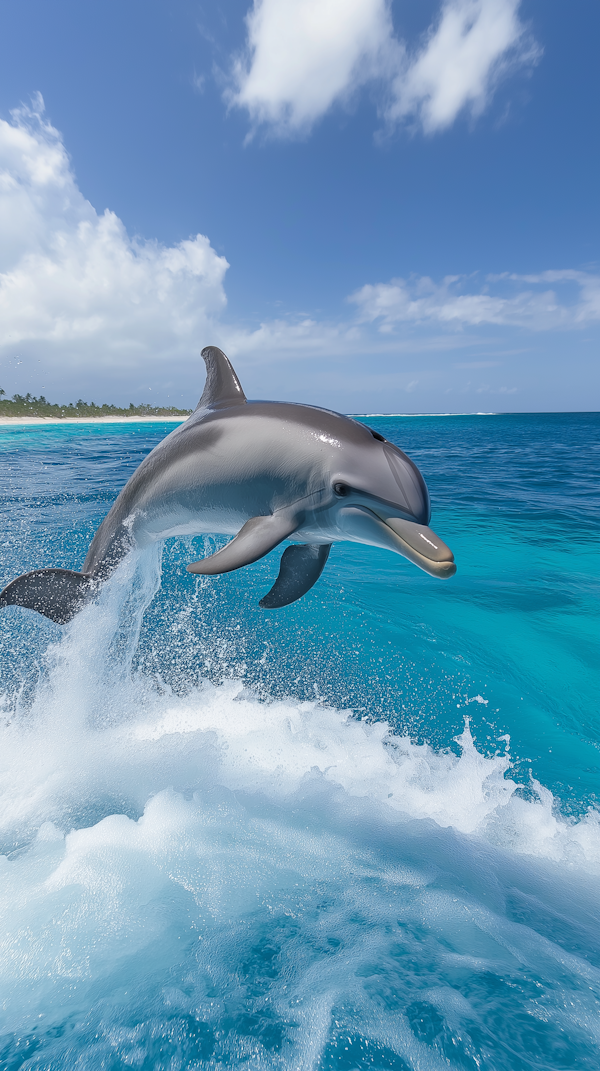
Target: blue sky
x=374 y=207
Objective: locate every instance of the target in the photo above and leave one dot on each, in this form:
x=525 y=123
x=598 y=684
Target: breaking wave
x=215 y=879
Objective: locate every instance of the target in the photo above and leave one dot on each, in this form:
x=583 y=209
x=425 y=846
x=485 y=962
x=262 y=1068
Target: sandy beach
x=26 y=421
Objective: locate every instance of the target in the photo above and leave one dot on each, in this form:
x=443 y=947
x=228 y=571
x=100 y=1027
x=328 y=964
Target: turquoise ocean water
x=358 y=832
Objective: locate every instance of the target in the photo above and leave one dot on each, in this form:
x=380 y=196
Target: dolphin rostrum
x=263 y=472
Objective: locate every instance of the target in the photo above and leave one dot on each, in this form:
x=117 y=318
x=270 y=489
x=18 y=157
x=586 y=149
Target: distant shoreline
x=28 y=421
x=22 y=421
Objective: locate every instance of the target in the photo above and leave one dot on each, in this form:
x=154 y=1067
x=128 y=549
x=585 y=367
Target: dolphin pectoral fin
x=256 y=538
x=222 y=388
x=300 y=568
x=57 y=593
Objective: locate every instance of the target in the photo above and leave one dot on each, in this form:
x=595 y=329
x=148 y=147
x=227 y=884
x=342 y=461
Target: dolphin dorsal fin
x=222 y=387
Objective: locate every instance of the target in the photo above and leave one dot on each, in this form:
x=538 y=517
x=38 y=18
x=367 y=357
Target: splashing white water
x=247 y=862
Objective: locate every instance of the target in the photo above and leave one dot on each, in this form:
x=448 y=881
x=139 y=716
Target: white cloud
x=74 y=283
x=460 y=62
x=588 y=306
x=303 y=56
x=89 y=309
x=420 y=300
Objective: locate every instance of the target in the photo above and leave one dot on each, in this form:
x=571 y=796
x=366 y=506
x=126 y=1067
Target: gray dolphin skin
x=263 y=472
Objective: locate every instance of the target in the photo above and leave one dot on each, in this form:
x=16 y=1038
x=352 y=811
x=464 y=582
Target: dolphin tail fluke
x=57 y=593
x=300 y=568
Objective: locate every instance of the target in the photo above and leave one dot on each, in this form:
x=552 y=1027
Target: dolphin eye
x=340 y=489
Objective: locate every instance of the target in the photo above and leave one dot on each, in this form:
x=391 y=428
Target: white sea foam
x=56 y=763
x=198 y=854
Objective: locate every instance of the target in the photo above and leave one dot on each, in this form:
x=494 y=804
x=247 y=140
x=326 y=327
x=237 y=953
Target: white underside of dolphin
x=263 y=472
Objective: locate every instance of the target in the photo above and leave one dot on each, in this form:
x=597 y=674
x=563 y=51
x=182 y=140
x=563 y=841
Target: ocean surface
x=357 y=833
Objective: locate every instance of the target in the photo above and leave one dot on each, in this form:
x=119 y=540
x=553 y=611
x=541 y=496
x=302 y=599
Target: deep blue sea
x=357 y=833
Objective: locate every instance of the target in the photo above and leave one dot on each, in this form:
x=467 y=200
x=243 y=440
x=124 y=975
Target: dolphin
x=263 y=472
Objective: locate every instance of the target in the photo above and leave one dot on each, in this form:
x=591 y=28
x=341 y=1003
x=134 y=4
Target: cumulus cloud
x=73 y=282
x=303 y=56
x=473 y=44
x=420 y=300
x=587 y=307
x=94 y=306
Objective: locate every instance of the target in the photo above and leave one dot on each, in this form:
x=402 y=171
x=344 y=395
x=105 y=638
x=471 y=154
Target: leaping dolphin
x=263 y=472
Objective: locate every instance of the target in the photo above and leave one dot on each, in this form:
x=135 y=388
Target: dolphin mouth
x=414 y=541
x=423 y=547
